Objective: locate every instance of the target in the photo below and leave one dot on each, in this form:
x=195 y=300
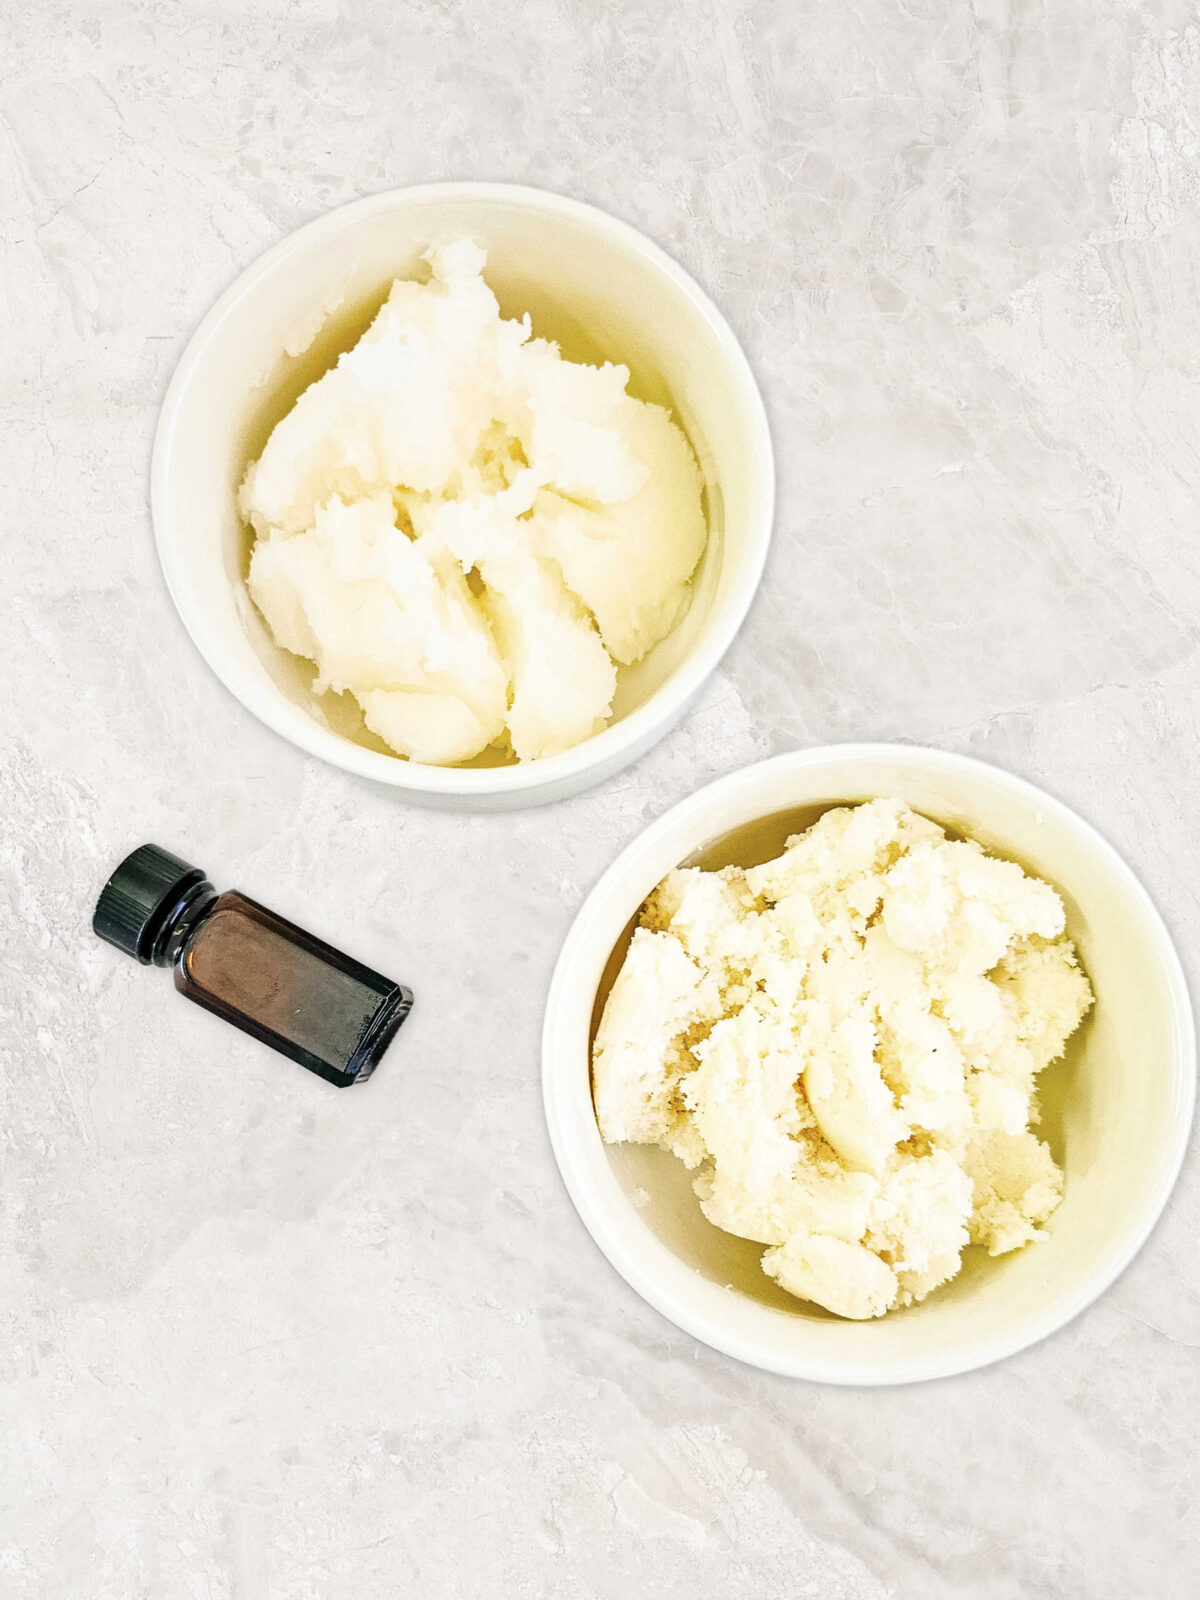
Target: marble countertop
x=264 y=1341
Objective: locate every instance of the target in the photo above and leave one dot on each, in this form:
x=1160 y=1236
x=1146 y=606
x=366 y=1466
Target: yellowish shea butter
x=844 y=1043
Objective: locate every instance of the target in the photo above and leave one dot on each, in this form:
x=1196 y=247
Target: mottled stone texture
x=262 y=1340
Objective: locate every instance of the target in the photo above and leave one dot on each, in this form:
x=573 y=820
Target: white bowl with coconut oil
x=591 y=282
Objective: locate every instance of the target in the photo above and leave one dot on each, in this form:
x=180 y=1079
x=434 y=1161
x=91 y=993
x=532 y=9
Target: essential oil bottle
x=266 y=976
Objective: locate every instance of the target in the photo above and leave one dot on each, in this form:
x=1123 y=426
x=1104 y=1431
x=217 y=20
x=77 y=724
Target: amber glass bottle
x=266 y=976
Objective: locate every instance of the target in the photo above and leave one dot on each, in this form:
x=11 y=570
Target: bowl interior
x=586 y=281
x=1115 y=1110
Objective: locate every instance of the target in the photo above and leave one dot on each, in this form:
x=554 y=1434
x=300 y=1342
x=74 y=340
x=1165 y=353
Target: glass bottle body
x=293 y=991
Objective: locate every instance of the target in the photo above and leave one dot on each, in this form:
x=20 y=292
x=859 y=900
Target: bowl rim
x=610 y=1230
x=615 y=744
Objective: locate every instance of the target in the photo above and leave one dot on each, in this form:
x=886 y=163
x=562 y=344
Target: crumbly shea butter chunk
x=844 y=1042
x=467 y=532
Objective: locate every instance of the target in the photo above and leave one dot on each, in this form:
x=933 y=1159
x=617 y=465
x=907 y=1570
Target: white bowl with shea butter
x=1116 y=1110
x=589 y=282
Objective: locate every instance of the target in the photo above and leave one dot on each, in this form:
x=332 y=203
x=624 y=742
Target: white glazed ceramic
x=1118 y=1110
x=592 y=282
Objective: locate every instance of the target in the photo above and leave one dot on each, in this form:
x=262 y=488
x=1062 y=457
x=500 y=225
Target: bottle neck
x=176 y=923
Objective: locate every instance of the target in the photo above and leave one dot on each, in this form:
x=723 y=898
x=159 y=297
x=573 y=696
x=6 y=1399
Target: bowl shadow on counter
x=659 y=1186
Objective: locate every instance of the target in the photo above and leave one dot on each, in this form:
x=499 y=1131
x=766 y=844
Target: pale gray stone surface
x=264 y=1341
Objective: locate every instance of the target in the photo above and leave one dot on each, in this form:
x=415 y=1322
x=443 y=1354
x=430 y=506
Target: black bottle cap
x=147 y=883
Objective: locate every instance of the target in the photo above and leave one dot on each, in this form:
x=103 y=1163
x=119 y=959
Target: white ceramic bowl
x=1117 y=1112
x=588 y=280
